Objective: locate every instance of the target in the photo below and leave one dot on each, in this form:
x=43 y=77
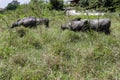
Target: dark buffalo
x=31 y=22
x=99 y=25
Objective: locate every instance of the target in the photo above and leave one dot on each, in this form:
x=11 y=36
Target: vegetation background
x=53 y=54
x=103 y=5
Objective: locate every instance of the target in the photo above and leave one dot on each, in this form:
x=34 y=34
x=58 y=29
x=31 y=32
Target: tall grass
x=53 y=54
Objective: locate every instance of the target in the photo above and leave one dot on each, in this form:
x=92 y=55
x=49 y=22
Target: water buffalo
x=31 y=22
x=99 y=25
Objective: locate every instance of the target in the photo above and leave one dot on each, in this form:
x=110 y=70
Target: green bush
x=13 y=5
x=110 y=5
x=56 y=4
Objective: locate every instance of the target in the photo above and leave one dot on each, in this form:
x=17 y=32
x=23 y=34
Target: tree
x=84 y=3
x=104 y=5
x=13 y=5
x=57 y=4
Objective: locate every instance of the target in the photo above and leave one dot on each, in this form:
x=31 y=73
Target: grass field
x=53 y=54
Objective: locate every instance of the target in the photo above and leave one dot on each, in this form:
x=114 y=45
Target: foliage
x=13 y=5
x=84 y=3
x=110 y=5
x=56 y=4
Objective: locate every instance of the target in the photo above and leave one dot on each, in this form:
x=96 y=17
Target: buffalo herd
x=77 y=24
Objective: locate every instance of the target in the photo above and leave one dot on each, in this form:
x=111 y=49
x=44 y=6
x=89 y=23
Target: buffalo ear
x=18 y=20
x=86 y=22
x=79 y=19
x=62 y=27
x=13 y=25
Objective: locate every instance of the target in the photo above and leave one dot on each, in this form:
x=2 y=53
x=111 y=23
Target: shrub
x=13 y=5
x=56 y=4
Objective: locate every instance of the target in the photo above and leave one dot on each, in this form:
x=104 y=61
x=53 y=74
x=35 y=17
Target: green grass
x=53 y=54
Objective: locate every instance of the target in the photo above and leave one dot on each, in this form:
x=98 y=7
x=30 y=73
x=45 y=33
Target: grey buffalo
x=99 y=25
x=31 y=22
